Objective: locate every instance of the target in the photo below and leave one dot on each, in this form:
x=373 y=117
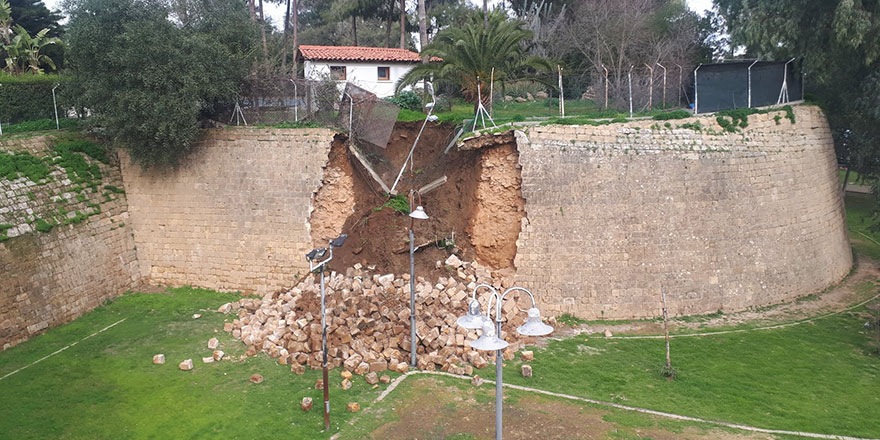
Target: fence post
x=750 y=82
x=606 y=86
x=664 y=85
x=696 y=91
x=629 y=80
x=561 y=92
x=55 y=104
x=650 y=87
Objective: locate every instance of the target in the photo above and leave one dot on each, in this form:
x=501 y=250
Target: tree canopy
x=148 y=79
x=839 y=42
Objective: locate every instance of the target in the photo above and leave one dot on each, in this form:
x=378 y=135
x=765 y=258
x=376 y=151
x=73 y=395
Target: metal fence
x=275 y=100
x=746 y=84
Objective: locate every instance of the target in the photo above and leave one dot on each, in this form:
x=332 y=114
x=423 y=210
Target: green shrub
x=40 y=125
x=114 y=189
x=43 y=225
x=13 y=166
x=398 y=203
x=78 y=169
x=677 y=114
x=407 y=99
x=29 y=97
x=91 y=149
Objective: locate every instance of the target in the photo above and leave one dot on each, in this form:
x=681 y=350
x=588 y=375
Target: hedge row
x=29 y=97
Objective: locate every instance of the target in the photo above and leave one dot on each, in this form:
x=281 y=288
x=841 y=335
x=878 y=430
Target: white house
x=376 y=69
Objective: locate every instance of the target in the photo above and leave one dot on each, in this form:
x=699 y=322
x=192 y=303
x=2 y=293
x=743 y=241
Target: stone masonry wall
x=617 y=213
x=234 y=216
x=51 y=277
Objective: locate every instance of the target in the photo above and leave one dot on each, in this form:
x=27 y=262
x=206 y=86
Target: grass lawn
x=576 y=112
x=854 y=178
x=106 y=387
x=821 y=377
x=863 y=224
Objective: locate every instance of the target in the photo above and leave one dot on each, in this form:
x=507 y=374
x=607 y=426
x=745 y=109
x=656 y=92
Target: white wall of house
x=364 y=75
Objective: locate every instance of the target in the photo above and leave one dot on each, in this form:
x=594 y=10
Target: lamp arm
x=498 y=310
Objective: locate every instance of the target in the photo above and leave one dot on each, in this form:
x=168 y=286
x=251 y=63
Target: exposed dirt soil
x=480 y=205
x=500 y=207
x=430 y=409
x=334 y=200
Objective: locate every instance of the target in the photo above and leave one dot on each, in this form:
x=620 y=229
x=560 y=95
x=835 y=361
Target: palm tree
x=472 y=50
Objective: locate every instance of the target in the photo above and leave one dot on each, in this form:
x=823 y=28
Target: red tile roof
x=358 y=53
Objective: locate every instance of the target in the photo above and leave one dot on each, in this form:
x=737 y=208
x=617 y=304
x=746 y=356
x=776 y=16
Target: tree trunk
x=403 y=24
x=423 y=29
x=252 y=10
x=389 y=21
x=263 y=31
x=295 y=39
x=486 y=14
x=354 y=29
x=284 y=38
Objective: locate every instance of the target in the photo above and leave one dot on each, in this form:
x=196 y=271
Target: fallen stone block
x=159 y=359
x=186 y=365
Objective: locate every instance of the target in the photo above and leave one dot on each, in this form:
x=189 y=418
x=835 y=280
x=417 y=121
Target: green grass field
x=106 y=387
x=862 y=223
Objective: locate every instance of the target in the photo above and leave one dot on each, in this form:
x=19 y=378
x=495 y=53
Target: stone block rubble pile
x=368 y=321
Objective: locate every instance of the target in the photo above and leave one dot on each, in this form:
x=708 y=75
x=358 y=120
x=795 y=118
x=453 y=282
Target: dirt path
x=856 y=288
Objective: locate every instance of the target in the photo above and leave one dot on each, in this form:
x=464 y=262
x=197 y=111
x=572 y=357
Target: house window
x=337 y=73
x=384 y=73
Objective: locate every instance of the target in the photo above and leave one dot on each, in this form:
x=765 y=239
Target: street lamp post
x=418 y=213
x=317 y=254
x=490 y=339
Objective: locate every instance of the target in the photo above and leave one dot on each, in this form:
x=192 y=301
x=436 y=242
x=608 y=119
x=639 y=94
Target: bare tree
x=295 y=39
x=423 y=28
x=618 y=34
x=403 y=24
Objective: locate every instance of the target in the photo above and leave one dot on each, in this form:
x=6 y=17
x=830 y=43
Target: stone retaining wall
x=48 y=278
x=235 y=215
x=616 y=214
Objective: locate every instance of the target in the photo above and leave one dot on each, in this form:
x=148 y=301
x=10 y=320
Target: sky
x=276 y=12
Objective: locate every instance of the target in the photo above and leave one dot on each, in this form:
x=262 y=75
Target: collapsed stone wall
x=50 y=276
x=616 y=214
x=235 y=215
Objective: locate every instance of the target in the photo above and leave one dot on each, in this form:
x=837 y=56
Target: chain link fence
x=275 y=100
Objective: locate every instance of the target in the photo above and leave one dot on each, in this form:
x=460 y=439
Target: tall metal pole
x=696 y=91
x=55 y=104
x=606 y=86
x=629 y=80
x=650 y=87
x=499 y=371
x=664 y=84
x=412 y=287
x=750 y=82
x=561 y=92
x=324 y=348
